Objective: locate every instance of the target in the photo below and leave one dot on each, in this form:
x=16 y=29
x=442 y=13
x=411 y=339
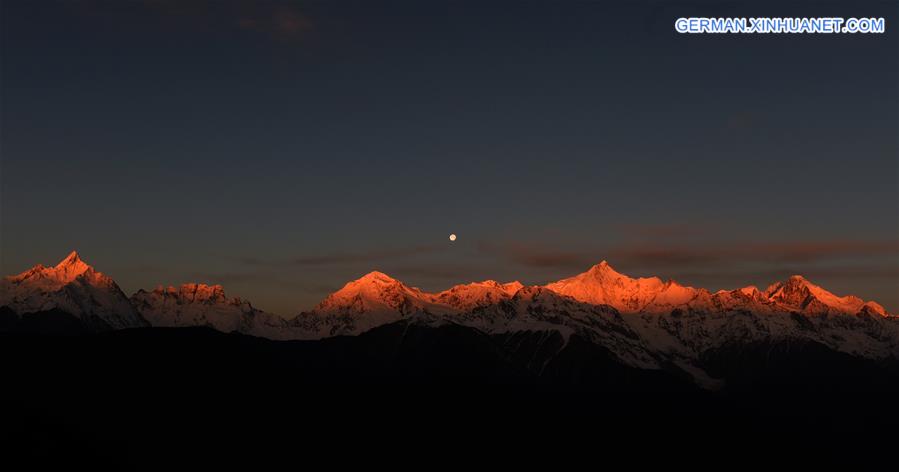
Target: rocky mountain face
x=377 y=299
x=71 y=287
x=602 y=285
x=685 y=322
x=477 y=294
x=196 y=304
x=642 y=323
x=645 y=323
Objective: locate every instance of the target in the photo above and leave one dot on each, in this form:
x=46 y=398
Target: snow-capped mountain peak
x=369 y=301
x=73 y=264
x=604 y=267
x=373 y=290
x=377 y=277
x=799 y=294
x=603 y=285
x=476 y=294
x=374 y=285
x=194 y=293
x=62 y=273
x=71 y=286
x=640 y=320
x=196 y=304
x=512 y=287
x=205 y=293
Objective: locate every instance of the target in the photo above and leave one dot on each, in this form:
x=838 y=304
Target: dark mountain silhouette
x=152 y=397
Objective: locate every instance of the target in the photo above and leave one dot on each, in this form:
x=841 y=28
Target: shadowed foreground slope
x=193 y=396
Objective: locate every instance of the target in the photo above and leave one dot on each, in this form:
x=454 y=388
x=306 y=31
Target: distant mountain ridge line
x=644 y=323
x=600 y=285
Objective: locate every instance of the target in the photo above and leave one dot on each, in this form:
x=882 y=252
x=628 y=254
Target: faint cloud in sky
x=664 y=230
x=791 y=251
x=536 y=255
x=280 y=20
x=349 y=257
x=653 y=255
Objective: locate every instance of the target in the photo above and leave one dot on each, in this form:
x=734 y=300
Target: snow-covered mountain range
x=646 y=323
x=196 y=304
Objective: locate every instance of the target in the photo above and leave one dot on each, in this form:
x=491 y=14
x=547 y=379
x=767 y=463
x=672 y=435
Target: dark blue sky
x=283 y=148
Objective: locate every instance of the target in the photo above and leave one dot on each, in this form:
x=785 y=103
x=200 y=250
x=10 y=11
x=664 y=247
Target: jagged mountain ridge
x=673 y=324
x=377 y=299
x=645 y=323
x=73 y=287
x=195 y=304
x=602 y=285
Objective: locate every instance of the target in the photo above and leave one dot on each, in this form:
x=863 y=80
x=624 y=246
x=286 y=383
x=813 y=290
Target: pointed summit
x=67 y=270
x=72 y=265
x=797 y=279
x=603 y=266
x=70 y=268
x=794 y=284
x=74 y=287
x=72 y=258
x=605 y=271
x=602 y=285
x=797 y=293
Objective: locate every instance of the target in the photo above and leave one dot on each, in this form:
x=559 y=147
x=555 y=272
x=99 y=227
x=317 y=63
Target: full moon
x=453 y=237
